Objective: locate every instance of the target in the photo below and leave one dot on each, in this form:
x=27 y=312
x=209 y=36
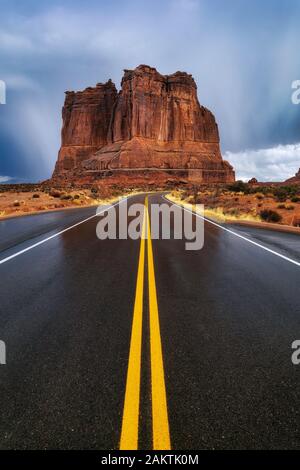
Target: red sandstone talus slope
x=154 y=122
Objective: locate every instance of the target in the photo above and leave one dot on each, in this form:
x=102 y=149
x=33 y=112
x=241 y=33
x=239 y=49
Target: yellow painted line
x=130 y=422
x=160 y=421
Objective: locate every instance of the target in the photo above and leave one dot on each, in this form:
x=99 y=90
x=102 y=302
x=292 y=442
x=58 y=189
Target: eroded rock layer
x=154 y=122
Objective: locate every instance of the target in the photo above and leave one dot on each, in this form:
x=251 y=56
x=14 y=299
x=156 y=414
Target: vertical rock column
x=86 y=118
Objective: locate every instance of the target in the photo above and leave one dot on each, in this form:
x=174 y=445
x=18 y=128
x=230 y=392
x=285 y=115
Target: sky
x=244 y=56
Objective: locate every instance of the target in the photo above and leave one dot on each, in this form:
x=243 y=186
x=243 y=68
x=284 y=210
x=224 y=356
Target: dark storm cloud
x=243 y=56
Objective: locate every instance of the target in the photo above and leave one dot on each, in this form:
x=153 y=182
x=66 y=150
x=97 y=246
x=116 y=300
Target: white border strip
x=296 y=263
x=4 y=260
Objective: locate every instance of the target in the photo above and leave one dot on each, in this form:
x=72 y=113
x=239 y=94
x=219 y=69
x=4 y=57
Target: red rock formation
x=86 y=117
x=155 y=122
x=294 y=179
x=253 y=181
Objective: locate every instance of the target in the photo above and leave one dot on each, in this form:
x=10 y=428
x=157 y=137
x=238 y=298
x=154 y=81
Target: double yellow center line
x=160 y=422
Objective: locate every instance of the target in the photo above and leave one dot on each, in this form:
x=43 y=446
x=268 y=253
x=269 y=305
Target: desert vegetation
x=279 y=204
x=23 y=199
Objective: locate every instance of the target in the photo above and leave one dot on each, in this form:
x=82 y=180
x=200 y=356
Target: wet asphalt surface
x=228 y=315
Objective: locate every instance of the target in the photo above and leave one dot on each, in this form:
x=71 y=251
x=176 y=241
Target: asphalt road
x=200 y=339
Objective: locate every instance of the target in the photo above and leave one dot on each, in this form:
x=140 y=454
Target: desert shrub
x=259 y=196
x=35 y=196
x=194 y=195
x=66 y=196
x=239 y=187
x=290 y=207
x=282 y=193
x=295 y=199
x=233 y=212
x=76 y=196
x=270 y=216
x=195 y=198
x=55 y=193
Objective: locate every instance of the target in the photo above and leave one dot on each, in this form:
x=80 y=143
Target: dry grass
x=226 y=206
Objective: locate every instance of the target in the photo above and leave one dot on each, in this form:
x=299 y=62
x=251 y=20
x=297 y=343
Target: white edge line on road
x=4 y=260
x=237 y=234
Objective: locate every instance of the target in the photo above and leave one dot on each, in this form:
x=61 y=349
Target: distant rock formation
x=154 y=122
x=253 y=181
x=294 y=179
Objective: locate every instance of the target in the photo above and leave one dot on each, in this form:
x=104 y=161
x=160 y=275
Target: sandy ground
x=14 y=203
x=21 y=203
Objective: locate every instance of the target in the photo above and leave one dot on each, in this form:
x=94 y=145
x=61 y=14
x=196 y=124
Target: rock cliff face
x=294 y=179
x=86 y=117
x=154 y=122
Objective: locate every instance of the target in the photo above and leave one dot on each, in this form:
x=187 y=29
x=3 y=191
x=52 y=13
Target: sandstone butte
x=154 y=123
